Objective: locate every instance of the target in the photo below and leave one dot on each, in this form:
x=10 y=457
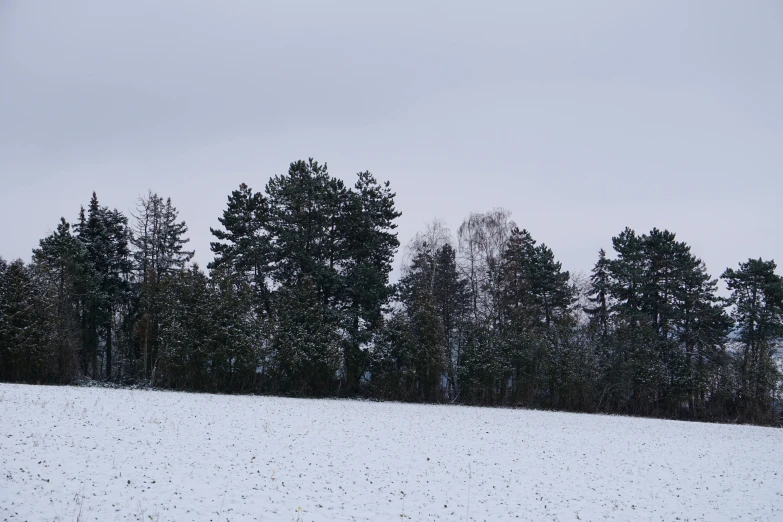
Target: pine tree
x=306 y=227
x=668 y=263
x=536 y=296
x=245 y=244
x=368 y=245
x=551 y=288
x=6 y=311
x=520 y=306
x=536 y=292
x=627 y=275
x=664 y=298
x=306 y=208
x=702 y=332
x=757 y=301
x=430 y=348
x=634 y=365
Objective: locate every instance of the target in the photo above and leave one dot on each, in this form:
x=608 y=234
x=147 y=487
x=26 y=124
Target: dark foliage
x=298 y=302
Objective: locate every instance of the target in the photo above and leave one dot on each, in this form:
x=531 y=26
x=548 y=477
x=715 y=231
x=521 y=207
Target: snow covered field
x=106 y=455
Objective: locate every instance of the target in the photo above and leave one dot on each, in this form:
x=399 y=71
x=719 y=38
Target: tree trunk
x=108 y=344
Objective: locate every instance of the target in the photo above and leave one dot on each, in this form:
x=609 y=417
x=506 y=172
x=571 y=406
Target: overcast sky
x=579 y=117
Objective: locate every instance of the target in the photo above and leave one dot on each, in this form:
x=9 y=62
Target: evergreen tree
x=425 y=335
x=307 y=343
x=159 y=242
x=105 y=236
x=627 y=275
x=186 y=332
x=664 y=297
x=369 y=244
x=429 y=356
x=298 y=301
x=518 y=326
x=5 y=318
x=237 y=333
x=757 y=301
x=22 y=354
x=520 y=306
x=702 y=331
x=453 y=304
x=307 y=227
x=437 y=312
x=551 y=288
x=244 y=245
x=636 y=365
x=307 y=212
x=599 y=294
x=536 y=296
x=535 y=290
x=61 y=270
x=478 y=372
x=392 y=360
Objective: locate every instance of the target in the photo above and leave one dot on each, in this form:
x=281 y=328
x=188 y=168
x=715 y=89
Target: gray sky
x=579 y=117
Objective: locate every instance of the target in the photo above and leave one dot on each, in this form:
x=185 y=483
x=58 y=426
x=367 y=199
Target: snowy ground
x=98 y=454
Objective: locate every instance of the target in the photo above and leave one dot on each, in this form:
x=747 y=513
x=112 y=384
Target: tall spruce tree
x=598 y=295
x=105 y=236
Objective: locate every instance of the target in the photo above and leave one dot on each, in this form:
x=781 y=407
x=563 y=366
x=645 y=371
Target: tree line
x=298 y=301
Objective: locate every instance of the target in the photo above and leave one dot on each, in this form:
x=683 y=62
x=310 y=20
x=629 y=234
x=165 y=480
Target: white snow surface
x=69 y=453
